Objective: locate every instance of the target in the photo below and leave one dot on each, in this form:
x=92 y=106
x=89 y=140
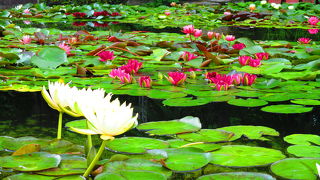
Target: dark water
x=252 y=33
x=27 y=114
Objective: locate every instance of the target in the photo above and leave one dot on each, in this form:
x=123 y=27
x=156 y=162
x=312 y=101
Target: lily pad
x=245 y=156
x=237 y=175
x=251 y=132
x=131 y=175
x=124 y=168
x=303 y=139
x=206 y=147
x=186 y=101
x=184 y=125
x=186 y=159
x=304 y=151
x=296 y=168
x=25 y=176
x=207 y=135
x=311 y=102
x=286 y=109
x=247 y=102
x=136 y=145
x=31 y=162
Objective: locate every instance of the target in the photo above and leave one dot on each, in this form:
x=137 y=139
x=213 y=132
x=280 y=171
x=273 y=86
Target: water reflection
x=25 y=114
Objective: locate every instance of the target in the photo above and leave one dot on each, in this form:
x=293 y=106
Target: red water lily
x=239 y=46
x=313 y=20
x=188 y=56
x=132 y=66
x=230 y=37
x=189 y=29
x=262 y=56
x=65 y=47
x=313 y=31
x=106 y=56
x=176 y=78
x=79 y=14
x=304 y=40
x=248 y=79
x=145 y=81
x=254 y=62
x=244 y=60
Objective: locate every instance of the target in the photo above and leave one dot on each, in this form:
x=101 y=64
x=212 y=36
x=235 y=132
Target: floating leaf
x=26 y=149
x=171 y=127
x=135 y=144
x=251 y=132
x=304 y=151
x=247 y=102
x=286 y=109
x=306 y=101
x=187 y=101
x=31 y=162
x=303 y=139
x=237 y=175
x=49 y=58
x=303 y=168
x=245 y=156
x=206 y=147
x=131 y=175
x=25 y=176
x=207 y=135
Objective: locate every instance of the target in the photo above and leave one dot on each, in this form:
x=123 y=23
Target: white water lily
x=290 y=7
x=318 y=168
x=263 y=2
x=107 y=118
x=62 y=98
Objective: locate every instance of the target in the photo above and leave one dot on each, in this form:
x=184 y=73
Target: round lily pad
x=275 y=97
x=296 y=168
x=186 y=159
x=248 y=94
x=245 y=156
x=207 y=135
x=310 y=102
x=237 y=175
x=206 y=147
x=186 y=101
x=186 y=124
x=247 y=102
x=25 y=176
x=130 y=165
x=136 y=145
x=304 y=151
x=286 y=109
x=303 y=139
x=72 y=177
x=31 y=162
x=251 y=132
x=131 y=175
x=11 y=143
x=107 y=175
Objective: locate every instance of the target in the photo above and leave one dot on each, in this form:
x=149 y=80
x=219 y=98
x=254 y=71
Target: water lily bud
x=263 y=2
x=160 y=75
x=252 y=7
x=290 y=7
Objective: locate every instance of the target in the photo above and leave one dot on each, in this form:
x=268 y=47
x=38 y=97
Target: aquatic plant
x=176 y=78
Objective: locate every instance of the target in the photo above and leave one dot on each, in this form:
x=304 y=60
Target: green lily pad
x=137 y=145
x=286 y=109
x=49 y=58
x=245 y=156
x=31 y=162
x=276 y=97
x=186 y=101
x=183 y=125
x=296 y=168
x=247 y=102
x=72 y=177
x=14 y=144
x=25 y=176
x=69 y=165
x=302 y=139
x=311 y=102
x=131 y=175
x=186 y=159
x=131 y=165
x=237 y=175
x=251 y=132
x=207 y=135
x=206 y=147
x=304 y=151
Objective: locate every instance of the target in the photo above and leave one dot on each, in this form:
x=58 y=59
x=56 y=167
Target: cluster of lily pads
x=177 y=148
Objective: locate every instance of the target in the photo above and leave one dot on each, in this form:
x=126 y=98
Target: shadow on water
x=27 y=114
x=252 y=33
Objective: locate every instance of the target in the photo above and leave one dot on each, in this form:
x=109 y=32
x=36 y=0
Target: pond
x=237 y=98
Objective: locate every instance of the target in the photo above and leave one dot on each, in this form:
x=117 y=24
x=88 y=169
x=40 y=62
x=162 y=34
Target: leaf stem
x=59 y=126
x=95 y=160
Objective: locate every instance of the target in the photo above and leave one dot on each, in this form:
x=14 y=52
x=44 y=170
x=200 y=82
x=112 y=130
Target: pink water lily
x=313 y=31
x=236 y=79
x=167 y=13
x=254 y=62
x=197 y=33
x=230 y=38
x=313 y=20
x=132 y=66
x=227 y=13
x=188 y=56
x=222 y=81
x=79 y=14
x=27 y=11
x=176 y=78
x=248 y=79
x=239 y=46
x=262 y=56
x=25 y=39
x=210 y=76
x=210 y=34
x=126 y=78
x=244 y=60
x=116 y=73
x=189 y=29
x=106 y=56
x=304 y=40
x=145 y=81
x=65 y=47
